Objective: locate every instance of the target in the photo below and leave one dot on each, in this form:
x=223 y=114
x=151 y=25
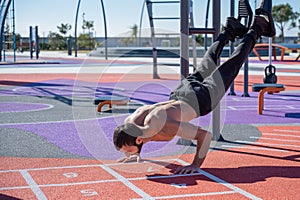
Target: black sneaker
x=264 y=19
x=235 y=28
x=263 y=25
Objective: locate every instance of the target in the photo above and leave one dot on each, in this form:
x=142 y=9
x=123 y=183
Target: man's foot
x=263 y=25
x=263 y=22
x=235 y=28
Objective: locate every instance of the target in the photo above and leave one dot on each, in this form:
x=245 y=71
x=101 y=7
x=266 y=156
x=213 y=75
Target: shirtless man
x=197 y=95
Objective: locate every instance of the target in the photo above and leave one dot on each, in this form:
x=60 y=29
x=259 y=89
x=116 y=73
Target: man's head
x=127 y=138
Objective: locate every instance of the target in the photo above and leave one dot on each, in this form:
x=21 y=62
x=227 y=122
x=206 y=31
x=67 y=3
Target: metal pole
x=206 y=24
x=193 y=36
x=153 y=40
x=184 y=38
x=246 y=72
x=105 y=29
x=141 y=20
x=14 y=29
x=3 y=14
x=270 y=51
x=30 y=42
x=232 y=6
x=37 y=49
x=76 y=19
x=217 y=111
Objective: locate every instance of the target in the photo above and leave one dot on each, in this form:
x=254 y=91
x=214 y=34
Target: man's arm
x=203 y=143
x=191 y=132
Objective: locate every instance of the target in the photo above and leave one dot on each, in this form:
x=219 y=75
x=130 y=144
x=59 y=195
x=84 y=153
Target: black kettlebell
x=270 y=76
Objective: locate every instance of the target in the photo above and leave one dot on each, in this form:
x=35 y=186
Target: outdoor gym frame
x=4 y=7
x=105 y=28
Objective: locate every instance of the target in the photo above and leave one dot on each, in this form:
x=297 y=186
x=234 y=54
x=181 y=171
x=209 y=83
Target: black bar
x=30 y=42
x=165 y=1
x=37 y=49
x=201 y=31
x=167 y=33
x=165 y=18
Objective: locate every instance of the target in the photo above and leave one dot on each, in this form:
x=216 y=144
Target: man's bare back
x=162 y=122
x=159 y=116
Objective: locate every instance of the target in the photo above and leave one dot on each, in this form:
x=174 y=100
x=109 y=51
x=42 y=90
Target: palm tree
x=134 y=32
x=89 y=25
x=64 y=28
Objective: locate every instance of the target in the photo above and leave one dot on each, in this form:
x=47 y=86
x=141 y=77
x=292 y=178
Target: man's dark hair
x=126 y=134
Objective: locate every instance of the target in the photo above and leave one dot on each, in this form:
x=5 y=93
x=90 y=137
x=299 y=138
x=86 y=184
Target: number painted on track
x=70 y=175
x=89 y=192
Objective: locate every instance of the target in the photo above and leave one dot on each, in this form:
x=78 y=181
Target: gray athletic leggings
x=204 y=89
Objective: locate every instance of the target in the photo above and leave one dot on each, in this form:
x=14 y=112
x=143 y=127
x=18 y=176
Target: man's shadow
x=247 y=174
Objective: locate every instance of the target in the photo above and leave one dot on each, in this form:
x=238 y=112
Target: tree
x=56 y=41
x=86 y=42
x=133 y=39
x=126 y=41
x=134 y=32
x=88 y=25
x=283 y=15
x=199 y=39
x=64 y=28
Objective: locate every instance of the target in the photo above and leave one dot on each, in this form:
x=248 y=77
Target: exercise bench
x=110 y=100
x=270 y=88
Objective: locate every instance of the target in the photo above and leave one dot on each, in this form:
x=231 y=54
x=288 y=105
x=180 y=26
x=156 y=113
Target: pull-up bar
x=165 y=1
x=201 y=31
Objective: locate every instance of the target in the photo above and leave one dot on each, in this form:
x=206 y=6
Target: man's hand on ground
x=130 y=158
x=190 y=169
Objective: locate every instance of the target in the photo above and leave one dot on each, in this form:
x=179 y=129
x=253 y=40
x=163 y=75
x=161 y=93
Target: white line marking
x=80 y=166
x=284 y=135
x=34 y=187
x=291 y=107
x=193 y=195
x=235 y=99
x=287 y=131
x=49 y=106
x=231 y=107
x=258 y=148
x=276 y=139
x=50 y=168
x=61 y=184
x=247 y=108
x=127 y=183
x=102 y=181
x=15 y=188
x=222 y=182
x=73 y=120
x=64 y=121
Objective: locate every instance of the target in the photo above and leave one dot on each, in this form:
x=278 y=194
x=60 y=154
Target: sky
x=121 y=15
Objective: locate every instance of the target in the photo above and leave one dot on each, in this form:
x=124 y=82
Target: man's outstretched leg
x=233 y=29
x=191 y=89
x=221 y=79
